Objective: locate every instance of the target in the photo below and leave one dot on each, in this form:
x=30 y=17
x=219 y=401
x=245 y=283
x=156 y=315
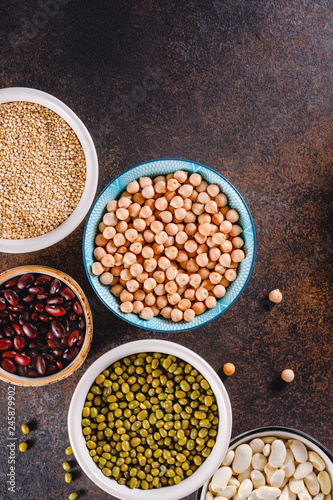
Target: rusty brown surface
x=245 y=88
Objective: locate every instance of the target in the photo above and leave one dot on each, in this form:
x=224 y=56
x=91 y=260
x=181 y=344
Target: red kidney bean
x=56 y=353
x=70 y=354
x=55 y=286
x=72 y=316
x=55 y=301
x=50 y=335
x=24 y=281
x=30 y=330
x=44 y=317
x=52 y=343
x=22 y=359
x=18 y=308
x=28 y=299
x=68 y=306
x=9 y=354
x=3 y=314
x=80 y=341
x=49 y=357
x=55 y=310
x=77 y=307
x=10 y=283
x=59 y=365
x=41 y=365
x=2 y=304
x=36 y=345
x=39 y=307
x=24 y=318
x=81 y=324
x=18 y=329
x=8 y=331
x=63 y=341
x=8 y=365
x=57 y=328
x=11 y=297
x=32 y=373
x=20 y=343
x=42 y=296
x=23 y=370
x=43 y=279
x=51 y=369
x=67 y=293
x=35 y=290
x=73 y=338
x=5 y=344
x=35 y=316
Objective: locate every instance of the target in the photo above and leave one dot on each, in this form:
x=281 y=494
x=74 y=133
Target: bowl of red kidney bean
x=45 y=325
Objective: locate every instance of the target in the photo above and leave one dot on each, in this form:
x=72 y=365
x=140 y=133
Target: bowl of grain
x=149 y=419
x=169 y=245
x=272 y=462
x=48 y=167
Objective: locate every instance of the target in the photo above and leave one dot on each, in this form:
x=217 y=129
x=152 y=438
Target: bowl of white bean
x=169 y=245
x=270 y=463
x=46 y=200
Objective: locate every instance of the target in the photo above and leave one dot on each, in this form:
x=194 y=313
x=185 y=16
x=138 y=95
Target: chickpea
x=210 y=302
x=149 y=236
x=136 y=269
x=136 y=248
x=122 y=213
x=201 y=294
x=218 y=238
x=100 y=241
x=142 y=277
x=108 y=260
x=215 y=278
x=134 y=209
x=164 y=263
x=198 y=208
x=181 y=237
x=106 y=278
x=158 y=249
x=184 y=304
x=180 y=213
x=235 y=230
x=226 y=246
x=190 y=217
x=160 y=187
x=97 y=268
x=202 y=260
x=203 y=273
x=126 y=307
x=181 y=176
x=220 y=269
x=159 y=289
x=166 y=312
x=149 y=284
x=182 y=279
x=190 y=246
x=171 y=287
x=189 y=315
x=169 y=242
x=110 y=219
x=203 y=198
x=132 y=285
x=213 y=190
x=195 y=179
x=148 y=192
x=137 y=307
x=177 y=202
x=187 y=204
x=150 y=299
x=99 y=253
x=287 y=375
x=101 y=226
x=126 y=296
x=219 y=291
x=116 y=290
x=230 y=274
x=218 y=218
x=199 y=308
x=275 y=296
x=190 y=229
x=138 y=198
x=116 y=270
x=237 y=255
x=171 y=252
x=161 y=302
x=207 y=285
x=157 y=226
x=229 y=369
x=139 y=295
x=161 y=203
x=189 y=294
x=232 y=216
x=202 y=186
x=111 y=247
x=145 y=213
x=172 y=184
x=109 y=232
x=192 y=266
x=133 y=187
x=139 y=224
x=176 y=315
x=125 y=275
x=185 y=191
x=145 y=181
x=171 y=229
x=214 y=254
x=166 y=216
x=171 y=273
x=112 y=206
x=221 y=200
x=194 y=195
x=225 y=260
x=200 y=238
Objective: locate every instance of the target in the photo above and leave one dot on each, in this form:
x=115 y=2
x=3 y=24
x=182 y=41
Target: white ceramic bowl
x=52 y=237
x=284 y=433
x=205 y=470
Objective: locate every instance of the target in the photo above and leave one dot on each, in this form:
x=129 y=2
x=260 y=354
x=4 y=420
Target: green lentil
x=69 y=451
x=68 y=477
x=72 y=496
x=149 y=420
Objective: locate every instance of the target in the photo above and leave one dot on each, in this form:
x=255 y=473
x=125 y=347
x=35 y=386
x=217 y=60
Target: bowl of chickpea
x=169 y=245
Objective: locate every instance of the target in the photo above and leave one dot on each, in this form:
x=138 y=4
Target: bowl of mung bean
x=150 y=419
x=45 y=326
x=273 y=462
x=169 y=245
x=48 y=168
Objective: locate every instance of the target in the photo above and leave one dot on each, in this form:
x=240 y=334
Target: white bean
x=220 y=479
x=303 y=470
x=245 y=488
x=268 y=492
x=243 y=457
x=299 y=450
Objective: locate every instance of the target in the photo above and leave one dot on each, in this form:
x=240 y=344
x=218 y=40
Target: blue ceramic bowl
x=153 y=169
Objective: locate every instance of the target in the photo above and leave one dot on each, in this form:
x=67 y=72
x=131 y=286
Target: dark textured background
x=246 y=88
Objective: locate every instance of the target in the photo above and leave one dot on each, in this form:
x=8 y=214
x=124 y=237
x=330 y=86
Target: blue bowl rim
x=123 y=317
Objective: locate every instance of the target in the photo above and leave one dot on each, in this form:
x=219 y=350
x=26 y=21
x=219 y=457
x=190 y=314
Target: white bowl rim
x=178 y=326
x=70 y=224
x=208 y=467
x=283 y=432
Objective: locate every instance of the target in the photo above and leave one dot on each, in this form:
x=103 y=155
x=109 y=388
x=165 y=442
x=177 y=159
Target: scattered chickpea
x=287 y=375
x=275 y=296
x=229 y=369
